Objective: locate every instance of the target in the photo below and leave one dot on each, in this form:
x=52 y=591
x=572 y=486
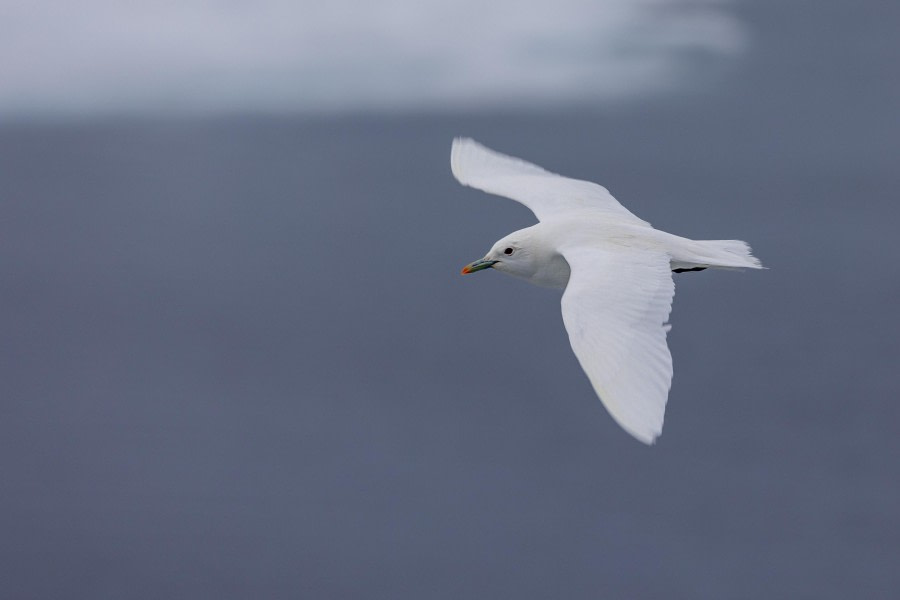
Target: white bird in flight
x=616 y=271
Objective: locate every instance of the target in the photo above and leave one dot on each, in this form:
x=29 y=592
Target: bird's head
x=512 y=254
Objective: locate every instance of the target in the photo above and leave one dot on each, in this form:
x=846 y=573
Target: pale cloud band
x=98 y=56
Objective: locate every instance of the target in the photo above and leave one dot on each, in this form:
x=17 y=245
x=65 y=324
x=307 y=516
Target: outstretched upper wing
x=546 y=194
x=615 y=309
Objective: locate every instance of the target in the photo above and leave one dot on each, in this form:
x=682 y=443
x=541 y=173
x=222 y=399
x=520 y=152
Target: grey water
x=239 y=360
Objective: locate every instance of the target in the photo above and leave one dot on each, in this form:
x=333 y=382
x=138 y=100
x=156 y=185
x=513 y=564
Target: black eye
x=508 y=251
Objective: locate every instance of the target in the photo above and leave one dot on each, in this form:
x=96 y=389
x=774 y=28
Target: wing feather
x=546 y=194
x=615 y=309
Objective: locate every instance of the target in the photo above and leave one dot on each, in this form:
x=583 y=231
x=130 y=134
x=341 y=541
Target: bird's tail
x=699 y=254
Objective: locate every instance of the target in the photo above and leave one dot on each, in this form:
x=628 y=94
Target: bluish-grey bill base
x=615 y=268
x=478 y=265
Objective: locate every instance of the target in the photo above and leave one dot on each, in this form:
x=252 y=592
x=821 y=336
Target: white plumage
x=616 y=270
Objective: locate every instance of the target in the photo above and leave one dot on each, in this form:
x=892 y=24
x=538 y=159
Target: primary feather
x=546 y=194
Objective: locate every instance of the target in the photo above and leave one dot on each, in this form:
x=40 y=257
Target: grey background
x=238 y=359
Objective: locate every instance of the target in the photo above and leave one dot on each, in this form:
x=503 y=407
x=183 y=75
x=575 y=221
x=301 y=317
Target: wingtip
x=460 y=144
x=646 y=434
x=647 y=440
x=462 y=140
x=457 y=150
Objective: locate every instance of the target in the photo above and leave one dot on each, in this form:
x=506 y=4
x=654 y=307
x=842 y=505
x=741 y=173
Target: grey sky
x=101 y=55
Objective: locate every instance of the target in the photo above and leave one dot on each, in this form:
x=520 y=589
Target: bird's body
x=616 y=271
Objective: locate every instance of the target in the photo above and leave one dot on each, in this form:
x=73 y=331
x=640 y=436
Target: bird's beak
x=478 y=265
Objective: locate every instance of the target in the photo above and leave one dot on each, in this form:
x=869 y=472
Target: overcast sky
x=97 y=56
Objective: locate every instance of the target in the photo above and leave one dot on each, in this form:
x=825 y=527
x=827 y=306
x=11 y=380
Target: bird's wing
x=546 y=194
x=615 y=309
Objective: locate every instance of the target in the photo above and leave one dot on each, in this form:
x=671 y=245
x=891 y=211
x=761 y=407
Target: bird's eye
x=508 y=251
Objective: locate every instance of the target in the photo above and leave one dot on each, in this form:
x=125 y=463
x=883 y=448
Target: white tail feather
x=733 y=254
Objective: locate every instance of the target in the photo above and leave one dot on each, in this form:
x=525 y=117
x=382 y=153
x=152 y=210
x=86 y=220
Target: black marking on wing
x=686 y=270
